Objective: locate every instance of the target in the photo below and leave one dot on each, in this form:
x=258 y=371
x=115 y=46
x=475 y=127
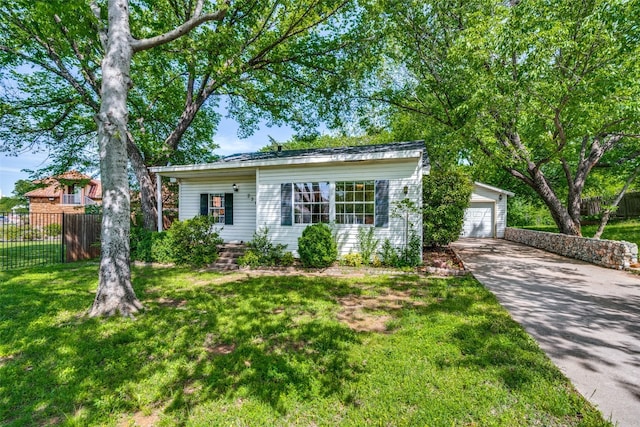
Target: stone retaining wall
x=608 y=253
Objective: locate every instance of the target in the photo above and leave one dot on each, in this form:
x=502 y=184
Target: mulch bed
x=442 y=261
x=437 y=261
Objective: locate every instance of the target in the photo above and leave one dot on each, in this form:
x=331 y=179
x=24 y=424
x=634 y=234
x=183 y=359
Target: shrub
x=409 y=256
x=249 y=259
x=93 y=209
x=367 y=243
x=150 y=246
x=388 y=254
x=376 y=261
x=194 y=241
x=52 y=229
x=317 y=247
x=445 y=196
x=9 y=232
x=263 y=252
x=287 y=260
x=352 y=260
x=161 y=249
x=139 y=244
x=30 y=233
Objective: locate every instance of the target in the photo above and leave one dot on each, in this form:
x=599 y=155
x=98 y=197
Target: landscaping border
x=618 y=255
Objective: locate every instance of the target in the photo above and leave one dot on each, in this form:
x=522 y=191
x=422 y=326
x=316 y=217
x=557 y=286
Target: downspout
x=159 y=200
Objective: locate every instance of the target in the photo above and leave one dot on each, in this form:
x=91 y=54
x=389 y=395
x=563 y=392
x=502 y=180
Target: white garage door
x=478 y=220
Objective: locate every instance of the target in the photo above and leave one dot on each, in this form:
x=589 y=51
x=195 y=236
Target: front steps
x=228 y=256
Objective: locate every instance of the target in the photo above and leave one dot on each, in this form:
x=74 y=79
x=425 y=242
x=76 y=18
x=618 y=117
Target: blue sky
x=226 y=138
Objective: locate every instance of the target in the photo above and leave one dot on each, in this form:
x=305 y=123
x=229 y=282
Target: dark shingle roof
x=358 y=149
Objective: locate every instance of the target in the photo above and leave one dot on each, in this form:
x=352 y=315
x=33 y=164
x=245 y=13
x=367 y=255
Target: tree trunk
x=147 y=187
x=565 y=223
x=115 y=293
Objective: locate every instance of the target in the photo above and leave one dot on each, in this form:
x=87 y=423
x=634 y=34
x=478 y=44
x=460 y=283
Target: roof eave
x=288 y=161
x=492 y=188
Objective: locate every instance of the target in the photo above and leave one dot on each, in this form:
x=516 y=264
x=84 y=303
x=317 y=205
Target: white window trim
x=211 y=209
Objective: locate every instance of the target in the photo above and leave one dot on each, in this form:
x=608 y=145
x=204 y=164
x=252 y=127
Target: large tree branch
x=519 y=175
x=198 y=19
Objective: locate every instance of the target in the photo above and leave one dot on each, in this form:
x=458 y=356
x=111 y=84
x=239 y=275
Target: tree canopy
x=271 y=60
x=543 y=90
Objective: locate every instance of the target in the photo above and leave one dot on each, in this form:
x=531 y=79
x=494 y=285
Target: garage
x=478 y=220
x=486 y=216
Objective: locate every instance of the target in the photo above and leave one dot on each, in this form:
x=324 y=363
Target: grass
x=20 y=254
x=628 y=230
x=214 y=349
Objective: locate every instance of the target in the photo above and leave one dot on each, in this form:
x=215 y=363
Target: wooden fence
x=34 y=239
x=629 y=206
x=81 y=236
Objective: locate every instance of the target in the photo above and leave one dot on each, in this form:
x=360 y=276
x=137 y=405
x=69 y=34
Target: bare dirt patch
x=169 y=302
x=217 y=348
x=5 y=359
x=139 y=419
x=373 y=313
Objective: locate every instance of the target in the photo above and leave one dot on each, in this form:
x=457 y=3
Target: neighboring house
x=69 y=192
x=349 y=187
x=486 y=215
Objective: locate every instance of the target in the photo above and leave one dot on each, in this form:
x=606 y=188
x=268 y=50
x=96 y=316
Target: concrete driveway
x=586 y=318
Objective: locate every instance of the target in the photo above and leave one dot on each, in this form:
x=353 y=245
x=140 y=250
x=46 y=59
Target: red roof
x=53 y=188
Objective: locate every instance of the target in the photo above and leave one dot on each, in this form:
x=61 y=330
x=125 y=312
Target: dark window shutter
x=286 y=200
x=204 y=204
x=228 y=208
x=382 y=203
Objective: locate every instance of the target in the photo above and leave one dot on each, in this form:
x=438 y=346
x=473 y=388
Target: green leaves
x=266 y=61
x=523 y=86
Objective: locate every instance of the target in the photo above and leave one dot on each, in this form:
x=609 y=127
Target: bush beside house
x=263 y=252
x=317 y=247
x=192 y=242
x=445 y=196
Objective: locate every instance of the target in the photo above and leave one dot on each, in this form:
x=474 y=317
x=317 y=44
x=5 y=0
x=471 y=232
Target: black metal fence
x=33 y=239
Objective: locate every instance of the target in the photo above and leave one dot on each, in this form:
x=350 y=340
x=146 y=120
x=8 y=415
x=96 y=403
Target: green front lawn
x=628 y=230
x=14 y=254
x=216 y=349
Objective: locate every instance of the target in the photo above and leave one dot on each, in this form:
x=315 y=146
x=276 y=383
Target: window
x=310 y=202
x=355 y=202
x=216 y=207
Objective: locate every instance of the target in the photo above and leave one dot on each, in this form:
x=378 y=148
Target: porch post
x=159 y=200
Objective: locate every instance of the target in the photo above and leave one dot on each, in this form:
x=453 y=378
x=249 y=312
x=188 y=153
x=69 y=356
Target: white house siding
x=480 y=198
x=399 y=173
x=244 y=205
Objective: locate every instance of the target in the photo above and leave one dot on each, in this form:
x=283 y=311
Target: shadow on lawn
x=206 y=337
x=485 y=336
x=275 y=336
